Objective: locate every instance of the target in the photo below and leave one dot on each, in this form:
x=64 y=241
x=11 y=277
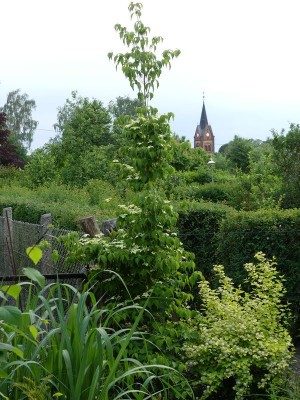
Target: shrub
x=201 y=175
x=41 y=168
x=101 y=193
x=66 y=205
x=10 y=176
x=210 y=192
x=241 y=336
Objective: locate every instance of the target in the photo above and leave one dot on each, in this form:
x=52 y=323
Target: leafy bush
x=241 y=336
x=201 y=175
x=10 y=176
x=218 y=234
x=66 y=205
x=210 y=192
x=41 y=168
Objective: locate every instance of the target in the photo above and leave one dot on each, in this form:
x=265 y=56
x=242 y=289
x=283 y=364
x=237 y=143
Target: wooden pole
x=90 y=226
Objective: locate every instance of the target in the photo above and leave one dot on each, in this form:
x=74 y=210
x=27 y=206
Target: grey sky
x=244 y=54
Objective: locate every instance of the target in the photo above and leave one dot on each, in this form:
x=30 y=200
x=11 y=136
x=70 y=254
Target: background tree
x=286 y=156
x=83 y=148
x=8 y=152
x=237 y=152
x=88 y=125
x=83 y=122
x=18 y=108
x=185 y=158
x=123 y=105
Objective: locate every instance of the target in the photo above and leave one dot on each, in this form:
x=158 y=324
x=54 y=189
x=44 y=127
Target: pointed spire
x=203 y=120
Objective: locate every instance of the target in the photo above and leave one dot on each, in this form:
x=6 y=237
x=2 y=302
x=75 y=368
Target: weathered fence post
x=90 y=226
x=47 y=263
x=8 y=259
x=108 y=226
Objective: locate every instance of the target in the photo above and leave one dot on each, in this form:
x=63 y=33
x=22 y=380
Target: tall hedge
x=198 y=227
x=274 y=232
x=217 y=234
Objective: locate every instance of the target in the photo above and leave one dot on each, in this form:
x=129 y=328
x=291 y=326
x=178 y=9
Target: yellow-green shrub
x=241 y=336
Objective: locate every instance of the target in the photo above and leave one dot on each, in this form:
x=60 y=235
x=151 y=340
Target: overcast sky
x=244 y=54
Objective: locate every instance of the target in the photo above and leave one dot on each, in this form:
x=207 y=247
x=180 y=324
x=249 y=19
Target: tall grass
x=65 y=345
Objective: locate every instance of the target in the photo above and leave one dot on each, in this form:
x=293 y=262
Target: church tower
x=204 y=136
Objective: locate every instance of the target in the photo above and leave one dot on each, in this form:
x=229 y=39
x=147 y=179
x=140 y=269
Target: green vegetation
x=18 y=108
x=140 y=328
x=65 y=344
x=241 y=335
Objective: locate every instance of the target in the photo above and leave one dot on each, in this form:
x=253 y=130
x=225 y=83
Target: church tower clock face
x=207 y=134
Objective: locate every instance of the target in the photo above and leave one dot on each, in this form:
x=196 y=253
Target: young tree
x=8 y=152
x=140 y=64
x=145 y=250
x=18 y=108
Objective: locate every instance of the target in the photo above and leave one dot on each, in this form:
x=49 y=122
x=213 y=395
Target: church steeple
x=203 y=119
x=204 y=136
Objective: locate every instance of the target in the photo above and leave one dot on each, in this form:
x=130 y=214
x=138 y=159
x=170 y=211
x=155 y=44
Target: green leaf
x=55 y=256
x=33 y=331
x=4 y=375
x=11 y=315
x=12 y=290
x=58 y=394
x=9 y=347
x=34 y=275
x=34 y=253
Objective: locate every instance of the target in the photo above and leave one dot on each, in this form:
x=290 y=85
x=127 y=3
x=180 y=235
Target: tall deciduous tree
x=237 y=152
x=286 y=156
x=124 y=105
x=8 y=152
x=83 y=123
x=18 y=108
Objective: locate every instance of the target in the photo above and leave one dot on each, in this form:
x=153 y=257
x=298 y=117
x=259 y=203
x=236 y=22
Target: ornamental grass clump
x=65 y=344
x=242 y=337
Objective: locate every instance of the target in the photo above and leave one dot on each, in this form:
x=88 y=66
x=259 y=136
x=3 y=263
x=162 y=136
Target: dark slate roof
x=203 y=119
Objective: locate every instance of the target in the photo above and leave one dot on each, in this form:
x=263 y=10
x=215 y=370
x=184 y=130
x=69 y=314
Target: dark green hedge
x=198 y=226
x=274 y=232
x=214 y=192
x=218 y=234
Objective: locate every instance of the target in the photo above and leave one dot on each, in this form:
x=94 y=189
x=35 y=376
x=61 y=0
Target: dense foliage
x=8 y=152
x=18 y=108
x=242 y=336
x=57 y=341
x=123 y=161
